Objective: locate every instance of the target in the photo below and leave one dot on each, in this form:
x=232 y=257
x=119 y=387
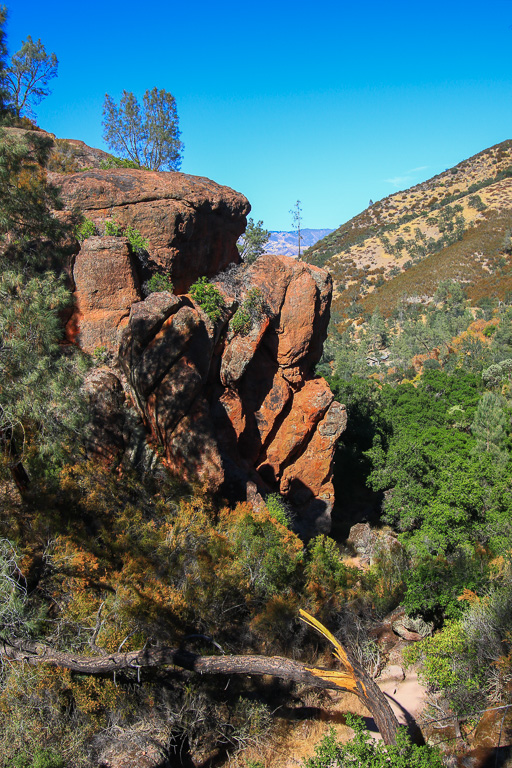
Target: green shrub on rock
x=209 y=298
x=250 y=311
x=113 y=229
x=86 y=228
x=157 y=283
x=241 y=322
x=118 y=162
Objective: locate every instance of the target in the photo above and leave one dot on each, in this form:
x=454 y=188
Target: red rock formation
x=242 y=412
x=191 y=223
x=235 y=409
x=106 y=287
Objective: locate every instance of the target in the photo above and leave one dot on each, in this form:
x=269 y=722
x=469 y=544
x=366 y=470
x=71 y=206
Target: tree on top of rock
x=28 y=76
x=252 y=243
x=147 y=135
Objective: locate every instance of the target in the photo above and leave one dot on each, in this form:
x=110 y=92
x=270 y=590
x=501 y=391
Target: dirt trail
x=406 y=696
x=299 y=731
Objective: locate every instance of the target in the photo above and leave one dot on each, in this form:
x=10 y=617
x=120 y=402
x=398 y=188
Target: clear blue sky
x=332 y=103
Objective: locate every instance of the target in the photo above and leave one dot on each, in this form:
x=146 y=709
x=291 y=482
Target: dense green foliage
x=251 y=311
x=149 y=136
x=84 y=229
x=428 y=392
x=252 y=243
x=209 y=298
x=28 y=75
x=159 y=282
x=40 y=404
x=118 y=162
x=363 y=751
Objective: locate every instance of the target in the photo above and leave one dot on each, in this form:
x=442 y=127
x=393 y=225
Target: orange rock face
x=242 y=411
x=106 y=286
x=191 y=223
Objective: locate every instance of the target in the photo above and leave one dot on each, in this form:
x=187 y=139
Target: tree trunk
x=286 y=669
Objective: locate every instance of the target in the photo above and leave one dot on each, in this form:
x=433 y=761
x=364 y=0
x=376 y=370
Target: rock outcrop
x=240 y=408
x=235 y=409
x=191 y=223
x=106 y=286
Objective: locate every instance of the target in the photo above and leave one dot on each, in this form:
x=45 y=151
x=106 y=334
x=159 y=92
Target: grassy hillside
x=455 y=225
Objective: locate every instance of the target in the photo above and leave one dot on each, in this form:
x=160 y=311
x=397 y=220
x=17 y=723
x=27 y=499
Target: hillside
x=285 y=243
x=455 y=225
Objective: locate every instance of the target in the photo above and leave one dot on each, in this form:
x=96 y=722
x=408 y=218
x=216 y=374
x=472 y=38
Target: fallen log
x=352 y=678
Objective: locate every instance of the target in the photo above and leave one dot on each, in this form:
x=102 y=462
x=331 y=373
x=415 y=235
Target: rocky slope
x=239 y=409
x=453 y=226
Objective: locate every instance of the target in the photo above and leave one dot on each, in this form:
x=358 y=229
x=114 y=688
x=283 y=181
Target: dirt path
x=406 y=695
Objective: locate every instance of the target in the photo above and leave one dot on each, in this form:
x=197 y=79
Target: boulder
x=165 y=353
x=106 y=286
x=412 y=629
x=298 y=296
x=106 y=435
x=369 y=543
x=362 y=539
x=191 y=223
x=72 y=155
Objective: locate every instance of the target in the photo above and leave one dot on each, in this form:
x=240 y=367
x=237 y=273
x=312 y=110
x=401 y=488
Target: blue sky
x=330 y=103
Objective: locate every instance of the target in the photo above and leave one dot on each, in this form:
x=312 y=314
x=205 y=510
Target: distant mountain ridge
x=456 y=225
x=285 y=243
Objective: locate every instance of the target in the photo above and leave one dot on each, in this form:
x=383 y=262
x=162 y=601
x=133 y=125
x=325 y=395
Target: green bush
x=100 y=354
x=138 y=243
x=241 y=322
x=113 y=229
x=475 y=201
x=136 y=240
x=278 y=509
x=86 y=228
x=254 y=302
x=328 y=579
x=118 y=162
x=364 y=752
x=450 y=664
x=41 y=758
x=433 y=585
x=251 y=310
x=208 y=297
x=157 y=283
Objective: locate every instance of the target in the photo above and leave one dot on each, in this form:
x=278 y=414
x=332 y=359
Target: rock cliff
x=240 y=408
x=191 y=223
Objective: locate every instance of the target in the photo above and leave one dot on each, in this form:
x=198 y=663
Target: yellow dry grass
x=359 y=255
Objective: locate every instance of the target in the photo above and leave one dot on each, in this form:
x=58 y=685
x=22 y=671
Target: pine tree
x=40 y=404
x=252 y=243
x=147 y=135
x=488 y=426
x=28 y=75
